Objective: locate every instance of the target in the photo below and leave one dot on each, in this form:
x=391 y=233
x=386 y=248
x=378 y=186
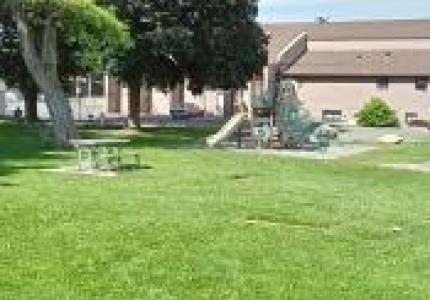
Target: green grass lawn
x=212 y=224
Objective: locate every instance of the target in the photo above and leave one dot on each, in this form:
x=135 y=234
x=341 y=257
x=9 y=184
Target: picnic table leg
x=104 y=159
x=94 y=159
x=119 y=158
x=138 y=163
x=111 y=157
x=80 y=158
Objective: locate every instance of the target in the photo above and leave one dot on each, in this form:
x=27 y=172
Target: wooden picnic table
x=96 y=154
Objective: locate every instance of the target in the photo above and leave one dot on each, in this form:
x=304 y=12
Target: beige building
x=339 y=66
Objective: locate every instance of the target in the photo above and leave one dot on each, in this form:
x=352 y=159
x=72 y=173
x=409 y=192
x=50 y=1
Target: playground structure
x=275 y=120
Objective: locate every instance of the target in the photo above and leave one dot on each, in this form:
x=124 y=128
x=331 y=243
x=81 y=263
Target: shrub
x=377 y=113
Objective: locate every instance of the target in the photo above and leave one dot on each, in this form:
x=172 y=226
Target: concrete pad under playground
x=332 y=153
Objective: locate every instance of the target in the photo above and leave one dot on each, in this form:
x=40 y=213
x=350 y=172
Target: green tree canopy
x=215 y=44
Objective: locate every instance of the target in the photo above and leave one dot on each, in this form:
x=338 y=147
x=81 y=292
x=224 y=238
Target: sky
x=308 y=10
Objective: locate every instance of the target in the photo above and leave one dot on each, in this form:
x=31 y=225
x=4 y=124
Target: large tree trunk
x=114 y=95
x=146 y=99
x=134 y=103
x=30 y=93
x=40 y=55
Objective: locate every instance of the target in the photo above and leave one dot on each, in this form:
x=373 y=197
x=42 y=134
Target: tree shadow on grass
x=8 y=184
x=162 y=138
x=21 y=149
x=171 y=138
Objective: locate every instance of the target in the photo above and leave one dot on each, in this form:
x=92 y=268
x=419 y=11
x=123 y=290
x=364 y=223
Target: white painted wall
x=82 y=108
x=160 y=102
x=211 y=101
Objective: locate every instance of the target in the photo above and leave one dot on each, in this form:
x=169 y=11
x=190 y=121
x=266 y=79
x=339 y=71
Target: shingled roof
x=281 y=34
x=359 y=63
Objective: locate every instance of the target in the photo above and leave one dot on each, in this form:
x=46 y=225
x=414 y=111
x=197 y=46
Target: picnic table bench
x=104 y=154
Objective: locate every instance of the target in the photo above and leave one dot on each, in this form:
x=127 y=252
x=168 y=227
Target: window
x=70 y=87
x=382 y=83
x=82 y=87
x=421 y=84
x=332 y=115
x=76 y=87
x=97 y=85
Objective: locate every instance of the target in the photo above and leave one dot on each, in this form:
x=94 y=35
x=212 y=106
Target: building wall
x=160 y=102
x=82 y=108
x=350 y=94
x=211 y=101
x=87 y=108
x=12 y=100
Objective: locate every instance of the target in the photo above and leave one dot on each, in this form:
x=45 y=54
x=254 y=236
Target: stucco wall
x=212 y=101
x=349 y=95
x=160 y=102
x=82 y=108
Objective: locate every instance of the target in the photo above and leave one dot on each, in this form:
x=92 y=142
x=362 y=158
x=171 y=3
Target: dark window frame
x=82 y=87
x=97 y=82
x=421 y=84
x=382 y=83
x=70 y=87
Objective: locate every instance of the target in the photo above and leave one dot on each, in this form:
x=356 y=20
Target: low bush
x=377 y=113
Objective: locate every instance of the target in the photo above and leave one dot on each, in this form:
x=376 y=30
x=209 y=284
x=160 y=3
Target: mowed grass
x=212 y=224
